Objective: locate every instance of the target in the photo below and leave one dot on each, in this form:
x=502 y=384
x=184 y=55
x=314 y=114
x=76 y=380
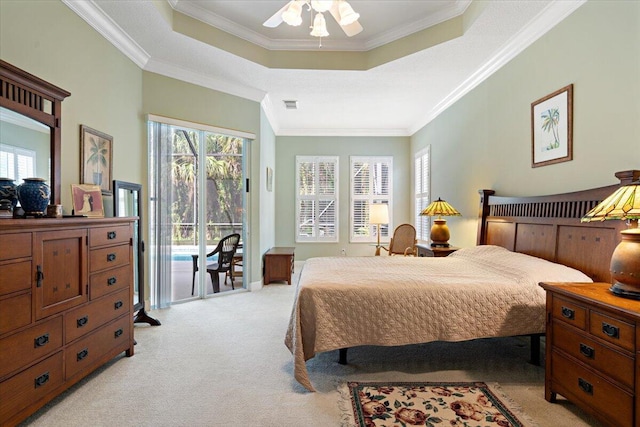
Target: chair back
x=403 y=241
x=228 y=246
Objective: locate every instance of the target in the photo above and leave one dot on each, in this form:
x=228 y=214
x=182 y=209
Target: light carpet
x=222 y=362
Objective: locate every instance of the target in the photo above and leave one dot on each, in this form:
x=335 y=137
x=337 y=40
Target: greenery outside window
x=371 y=182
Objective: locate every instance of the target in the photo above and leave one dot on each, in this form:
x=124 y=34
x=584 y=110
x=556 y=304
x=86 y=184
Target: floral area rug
x=433 y=404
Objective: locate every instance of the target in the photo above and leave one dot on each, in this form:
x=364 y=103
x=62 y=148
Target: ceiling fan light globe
x=321 y=5
x=293 y=14
x=319 y=26
x=347 y=14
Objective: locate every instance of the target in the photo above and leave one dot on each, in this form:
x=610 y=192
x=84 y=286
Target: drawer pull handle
x=587 y=351
x=82 y=354
x=585 y=385
x=118 y=333
x=117 y=305
x=111 y=281
x=111 y=235
x=610 y=330
x=568 y=313
x=39 y=276
x=41 y=340
x=111 y=257
x=82 y=321
x=41 y=380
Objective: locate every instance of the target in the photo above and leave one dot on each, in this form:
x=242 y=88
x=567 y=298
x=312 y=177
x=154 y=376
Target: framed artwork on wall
x=96 y=153
x=552 y=128
x=87 y=200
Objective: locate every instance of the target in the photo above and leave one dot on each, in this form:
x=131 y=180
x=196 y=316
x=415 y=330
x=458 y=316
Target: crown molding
x=103 y=24
x=179 y=73
x=343 y=132
x=548 y=18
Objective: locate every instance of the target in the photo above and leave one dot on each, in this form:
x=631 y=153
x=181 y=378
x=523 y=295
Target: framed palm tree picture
x=96 y=150
x=552 y=128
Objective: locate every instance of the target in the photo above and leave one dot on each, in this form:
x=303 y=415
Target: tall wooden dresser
x=66 y=291
x=593 y=345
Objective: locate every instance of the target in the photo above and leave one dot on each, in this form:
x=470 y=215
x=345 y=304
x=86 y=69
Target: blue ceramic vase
x=8 y=191
x=34 y=195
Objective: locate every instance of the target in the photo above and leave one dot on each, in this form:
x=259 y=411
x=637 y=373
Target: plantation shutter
x=371 y=182
x=422 y=196
x=316 y=199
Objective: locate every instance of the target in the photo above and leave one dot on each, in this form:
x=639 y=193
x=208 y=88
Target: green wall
x=484 y=139
x=288 y=147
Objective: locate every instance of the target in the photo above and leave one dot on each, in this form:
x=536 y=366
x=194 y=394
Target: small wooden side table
x=278 y=264
x=428 y=251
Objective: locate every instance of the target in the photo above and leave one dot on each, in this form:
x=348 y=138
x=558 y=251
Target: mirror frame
x=26 y=94
x=141 y=316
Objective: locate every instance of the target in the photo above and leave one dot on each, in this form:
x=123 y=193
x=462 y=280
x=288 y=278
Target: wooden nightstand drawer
x=611 y=402
x=30 y=385
x=613 y=330
x=84 y=353
x=29 y=345
x=618 y=366
x=109 y=281
x=91 y=316
x=115 y=256
x=570 y=312
x=109 y=235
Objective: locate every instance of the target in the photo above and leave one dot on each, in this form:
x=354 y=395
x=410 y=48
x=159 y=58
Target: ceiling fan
x=342 y=12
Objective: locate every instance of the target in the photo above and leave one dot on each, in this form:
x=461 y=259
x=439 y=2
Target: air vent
x=291 y=105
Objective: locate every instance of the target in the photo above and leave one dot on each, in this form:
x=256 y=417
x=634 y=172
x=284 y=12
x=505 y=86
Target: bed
x=490 y=290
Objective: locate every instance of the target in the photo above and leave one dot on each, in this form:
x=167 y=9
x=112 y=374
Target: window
x=422 y=184
x=16 y=163
x=371 y=182
x=316 y=199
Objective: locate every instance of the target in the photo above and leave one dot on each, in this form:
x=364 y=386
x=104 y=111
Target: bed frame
x=549 y=227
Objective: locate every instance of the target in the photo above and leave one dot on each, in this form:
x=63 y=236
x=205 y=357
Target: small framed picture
x=552 y=128
x=96 y=153
x=87 y=200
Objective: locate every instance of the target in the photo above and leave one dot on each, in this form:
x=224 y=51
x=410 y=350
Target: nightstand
x=592 y=344
x=428 y=251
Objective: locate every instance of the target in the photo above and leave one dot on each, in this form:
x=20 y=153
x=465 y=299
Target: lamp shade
x=293 y=14
x=347 y=14
x=624 y=203
x=379 y=213
x=319 y=26
x=440 y=208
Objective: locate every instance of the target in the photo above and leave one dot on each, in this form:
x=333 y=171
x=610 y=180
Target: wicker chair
x=226 y=249
x=403 y=241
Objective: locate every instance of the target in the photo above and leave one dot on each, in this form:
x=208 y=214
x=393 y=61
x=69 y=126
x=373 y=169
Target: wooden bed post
x=482 y=214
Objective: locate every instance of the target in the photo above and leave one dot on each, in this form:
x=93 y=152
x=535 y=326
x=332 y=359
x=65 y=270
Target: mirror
x=127 y=202
x=30 y=123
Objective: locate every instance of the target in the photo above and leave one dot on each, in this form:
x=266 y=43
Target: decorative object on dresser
x=96 y=165
x=552 y=128
x=378 y=215
x=623 y=204
x=34 y=195
x=428 y=251
x=592 y=351
x=278 y=264
x=67 y=308
x=439 y=231
x=87 y=200
x=33 y=102
x=8 y=191
x=128 y=203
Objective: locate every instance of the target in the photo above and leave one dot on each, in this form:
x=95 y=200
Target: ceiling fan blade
x=276 y=19
x=351 y=29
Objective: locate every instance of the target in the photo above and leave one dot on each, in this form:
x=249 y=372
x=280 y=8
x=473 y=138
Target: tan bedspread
x=486 y=291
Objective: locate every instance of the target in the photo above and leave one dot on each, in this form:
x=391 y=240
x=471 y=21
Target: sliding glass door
x=197 y=178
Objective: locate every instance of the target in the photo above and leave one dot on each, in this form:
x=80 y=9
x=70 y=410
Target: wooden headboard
x=549 y=227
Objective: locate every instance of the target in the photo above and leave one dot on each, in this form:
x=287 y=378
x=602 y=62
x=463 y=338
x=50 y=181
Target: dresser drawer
x=109 y=235
x=613 y=330
x=15 y=277
x=15 y=312
x=87 y=318
x=109 y=281
x=601 y=396
x=14 y=246
x=84 y=353
x=29 y=386
x=610 y=362
x=570 y=312
x=24 y=347
x=115 y=256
